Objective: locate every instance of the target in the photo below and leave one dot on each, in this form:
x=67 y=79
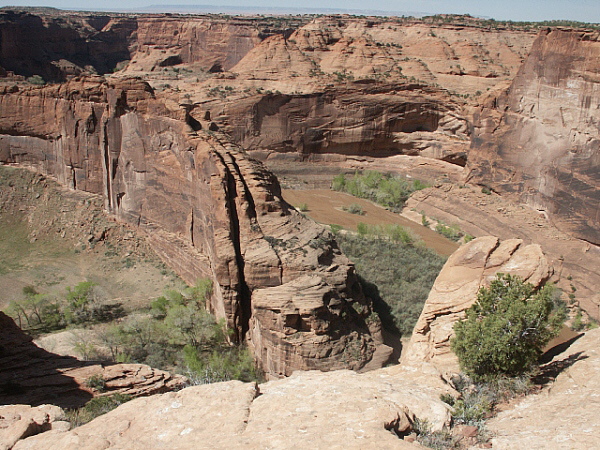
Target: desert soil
x=325 y=206
x=46 y=240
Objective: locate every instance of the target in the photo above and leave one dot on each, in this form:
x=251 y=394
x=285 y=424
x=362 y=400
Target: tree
x=506 y=329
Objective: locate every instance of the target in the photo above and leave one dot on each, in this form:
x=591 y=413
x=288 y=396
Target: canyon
x=182 y=125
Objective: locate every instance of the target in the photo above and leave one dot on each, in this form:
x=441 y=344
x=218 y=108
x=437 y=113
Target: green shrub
x=335 y=229
x=303 y=207
x=96 y=382
x=452 y=232
x=506 y=329
x=388 y=190
x=36 y=80
x=362 y=229
x=395 y=274
x=354 y=208
x=94 y=408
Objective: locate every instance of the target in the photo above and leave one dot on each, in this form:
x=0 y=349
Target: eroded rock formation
x=208 y=209
x=376 y=121
x=455 y=290
x=538 y=142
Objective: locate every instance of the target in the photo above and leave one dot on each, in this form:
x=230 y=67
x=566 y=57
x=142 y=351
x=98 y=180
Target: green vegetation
x=83 y=305
x=388 y=190
x=176 y=333
x=354 y=208
x=94 y=408
x=476 y=402
x=396 y=274
x=452 y=232
x=221 y=92
x=506 y=329
x=36 y=80
x=302 y=207
x=180 y=333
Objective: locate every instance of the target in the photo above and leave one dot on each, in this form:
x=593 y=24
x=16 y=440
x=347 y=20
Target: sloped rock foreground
x=566 y=415
x=340 y=410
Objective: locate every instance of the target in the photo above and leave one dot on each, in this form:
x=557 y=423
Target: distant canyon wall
x=539 y=141
x=360 y=120
x=64 y=45
x=209 y=210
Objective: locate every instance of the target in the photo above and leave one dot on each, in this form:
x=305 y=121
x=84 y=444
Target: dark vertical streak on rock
x=241 y=317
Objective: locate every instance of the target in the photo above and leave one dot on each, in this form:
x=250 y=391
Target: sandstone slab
x=340 y=409
x=563 y=416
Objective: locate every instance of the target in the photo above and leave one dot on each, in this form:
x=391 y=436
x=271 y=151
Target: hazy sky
x=582 y=10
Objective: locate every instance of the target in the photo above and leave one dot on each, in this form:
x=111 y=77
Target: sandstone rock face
x=538 y=142
x=576 y=262
x=21 y=421
x=363 y=121
x=60 y=47
x=473 y=265
x=337 y=410
x=565 y=416
x=208 y=210
x=212 y=44
x=32 y=375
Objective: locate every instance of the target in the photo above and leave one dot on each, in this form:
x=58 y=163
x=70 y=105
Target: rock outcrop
x=538 y=141
x=34 y=376
x=337 y=410
x=18 y=422
x=377 y=121
x=473 y=265
x=208 y=210
x=60 y=46
x=576 y=262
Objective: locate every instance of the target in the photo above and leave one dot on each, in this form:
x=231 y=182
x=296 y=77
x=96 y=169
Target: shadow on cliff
x=391 y=333
x=33 y=376
x=551 y=368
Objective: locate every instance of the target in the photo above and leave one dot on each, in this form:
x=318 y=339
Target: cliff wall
x=57 y=47
x=538 y=142
x=208 y=210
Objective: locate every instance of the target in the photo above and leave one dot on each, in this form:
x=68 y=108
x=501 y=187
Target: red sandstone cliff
x=538 y=142
x=208 y=210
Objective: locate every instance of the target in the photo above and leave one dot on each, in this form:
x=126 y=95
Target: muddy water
x=325 y=206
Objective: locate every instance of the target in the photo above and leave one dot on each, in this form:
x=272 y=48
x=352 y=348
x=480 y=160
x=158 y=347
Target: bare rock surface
x=21 y=421
x=473 y=265
x=563 y=416
x=303 y=410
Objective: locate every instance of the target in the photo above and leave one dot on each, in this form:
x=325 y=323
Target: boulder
x=469 y=268
x=21 y=421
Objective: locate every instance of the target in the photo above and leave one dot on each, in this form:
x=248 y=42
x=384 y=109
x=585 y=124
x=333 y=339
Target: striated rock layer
x=455 y=290
x=538 y=141
x=208 y=210
x=377 y=121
